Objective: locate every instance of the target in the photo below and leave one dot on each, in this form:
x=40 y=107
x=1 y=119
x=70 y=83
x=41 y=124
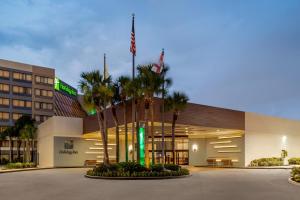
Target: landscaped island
x=134 y=170
x=295 y=174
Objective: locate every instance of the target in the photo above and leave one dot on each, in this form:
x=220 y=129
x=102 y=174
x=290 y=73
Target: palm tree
x=133 y=89
x=10 y=133
x=123 y=82
x=151 y=84
x=175 y=103
x=116 y=98
x=97 y=93
x=28 y=134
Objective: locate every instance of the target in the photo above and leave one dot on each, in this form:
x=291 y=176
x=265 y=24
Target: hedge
x=295 y=174
x=294 y=161
x=267 y=162
x=19 y=165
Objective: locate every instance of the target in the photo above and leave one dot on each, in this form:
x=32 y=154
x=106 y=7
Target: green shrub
x=295 y=174
x=19 y=165
x=294 y=161
x=132 y=167
x=267 y=162
x=157 y=168
x=4 y=161
x=172 y=167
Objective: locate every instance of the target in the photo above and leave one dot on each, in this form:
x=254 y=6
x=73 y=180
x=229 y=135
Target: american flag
x=132 y=45
x=157 y=67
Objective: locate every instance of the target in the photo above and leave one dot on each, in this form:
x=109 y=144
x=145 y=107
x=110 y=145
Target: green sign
x=142 y=145
x=61 y=86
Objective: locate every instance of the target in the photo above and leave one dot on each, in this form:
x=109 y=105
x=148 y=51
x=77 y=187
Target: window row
x=44 y=80
x=4 y=73
x=21 y=90
x=22 y=103
x=43 y=105
x=41 y=118
x=22 y=76
x=44 y=93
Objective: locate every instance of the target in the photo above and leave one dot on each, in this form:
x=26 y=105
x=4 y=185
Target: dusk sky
x=241 y=55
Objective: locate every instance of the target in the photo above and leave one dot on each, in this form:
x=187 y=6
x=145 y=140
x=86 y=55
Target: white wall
x=55 y=126
x=207 y=150
x=263 y=137
x=197 y=158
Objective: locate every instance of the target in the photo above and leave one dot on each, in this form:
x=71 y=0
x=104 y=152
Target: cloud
x=235 y=54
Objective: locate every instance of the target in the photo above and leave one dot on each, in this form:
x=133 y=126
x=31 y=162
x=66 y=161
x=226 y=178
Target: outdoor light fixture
x=130 y=148
x=195 y=147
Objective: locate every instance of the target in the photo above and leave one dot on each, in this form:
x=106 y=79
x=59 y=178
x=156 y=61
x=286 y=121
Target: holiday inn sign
x=63 y=87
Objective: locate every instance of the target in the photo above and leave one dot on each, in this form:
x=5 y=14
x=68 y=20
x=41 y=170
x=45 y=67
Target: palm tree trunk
x=32 y=150
x=0 y=152
x=27 y=151
x=11 y=150
x=152 y=133
x=24 y=151
x=146 y=135
x=19 y=143
x=173 y=136
x=126 y=132
x=114 y=113
x=138 y=158
x=101 y=129
x=105 y=135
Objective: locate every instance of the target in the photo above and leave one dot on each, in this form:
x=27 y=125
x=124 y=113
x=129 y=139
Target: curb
x=136 y=178
x=293 y=182
x=21 y=170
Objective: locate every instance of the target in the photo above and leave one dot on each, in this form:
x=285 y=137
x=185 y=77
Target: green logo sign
x=142 y=145
x=60 y=86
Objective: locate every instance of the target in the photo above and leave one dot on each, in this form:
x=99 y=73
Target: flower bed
x=295 y=174
x=19 y=165
x=267 y=162
x=135 y=170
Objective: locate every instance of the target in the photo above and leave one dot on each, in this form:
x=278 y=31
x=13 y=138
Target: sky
x=242 y=55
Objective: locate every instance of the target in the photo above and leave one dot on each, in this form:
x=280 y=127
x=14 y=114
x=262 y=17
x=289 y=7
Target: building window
x=41 y=118
x=21 y=103
x=4 y=73
x=4 y=87
x=43 y=93
x=21 y=90
x=43 y=105
x=4 y=116
x=4 y=102
x=22 y=76
x=44 y=80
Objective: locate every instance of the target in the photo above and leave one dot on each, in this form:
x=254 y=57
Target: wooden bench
x=90 y=163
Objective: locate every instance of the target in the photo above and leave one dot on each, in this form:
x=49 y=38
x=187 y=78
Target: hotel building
x=68 y=134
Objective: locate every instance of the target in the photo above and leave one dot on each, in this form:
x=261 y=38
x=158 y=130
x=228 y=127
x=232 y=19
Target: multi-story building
x=25 y=90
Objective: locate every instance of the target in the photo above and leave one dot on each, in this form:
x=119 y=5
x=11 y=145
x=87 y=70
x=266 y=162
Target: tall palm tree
x=134 y=89
x=10 y=133
x=123 y=82
x=176 y=102
x=116 y=98
x=97 y=93
x=151 y=83
x=28 y=134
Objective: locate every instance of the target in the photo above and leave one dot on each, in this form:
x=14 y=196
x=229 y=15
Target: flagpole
x=133 y=100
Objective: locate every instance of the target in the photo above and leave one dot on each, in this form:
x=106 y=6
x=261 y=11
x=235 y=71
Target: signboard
x=63 y=87
x=142 y=145
x=68 y=148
